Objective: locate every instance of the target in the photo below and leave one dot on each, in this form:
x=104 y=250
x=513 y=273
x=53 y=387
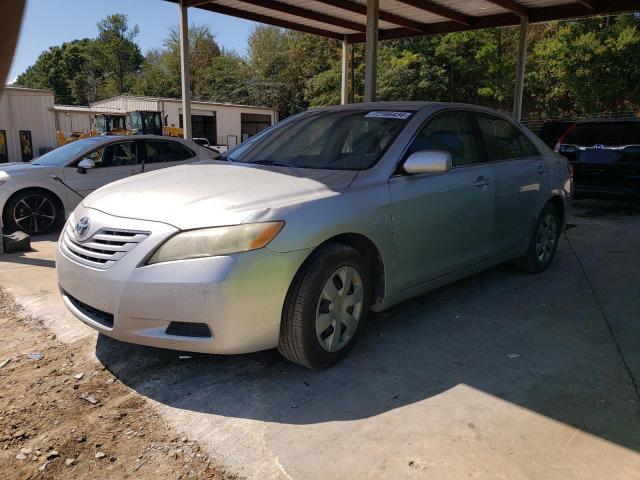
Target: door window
x=4 y=156
x=158 y=151
x=503 y=141
x=114 y=155
x=26 y=146
x=451 y=132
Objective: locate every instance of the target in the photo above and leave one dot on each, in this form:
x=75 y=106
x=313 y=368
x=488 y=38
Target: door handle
x=541 y=170
x=481 y=182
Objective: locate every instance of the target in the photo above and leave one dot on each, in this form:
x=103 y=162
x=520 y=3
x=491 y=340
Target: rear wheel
x=32 y=211
x=544 y=242
x=325 y=308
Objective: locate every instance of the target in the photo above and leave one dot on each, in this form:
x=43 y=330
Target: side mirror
x=428 y=161
x=85 y=164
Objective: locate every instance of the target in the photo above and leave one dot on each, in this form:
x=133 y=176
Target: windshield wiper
x=271 y=162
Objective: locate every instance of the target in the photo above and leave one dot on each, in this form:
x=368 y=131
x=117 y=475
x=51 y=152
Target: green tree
x=65 y=69
x=118 y=54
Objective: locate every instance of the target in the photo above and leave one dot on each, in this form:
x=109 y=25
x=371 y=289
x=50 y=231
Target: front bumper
x=239 y=297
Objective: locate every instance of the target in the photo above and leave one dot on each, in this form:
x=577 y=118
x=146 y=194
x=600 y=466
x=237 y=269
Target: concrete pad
x=31 y=278
x=503 y=375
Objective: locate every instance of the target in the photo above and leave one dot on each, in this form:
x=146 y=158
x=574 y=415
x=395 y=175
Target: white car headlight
x=209 y=242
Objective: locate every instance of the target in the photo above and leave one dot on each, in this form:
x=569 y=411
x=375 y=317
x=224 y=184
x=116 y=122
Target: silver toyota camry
x=292 y=238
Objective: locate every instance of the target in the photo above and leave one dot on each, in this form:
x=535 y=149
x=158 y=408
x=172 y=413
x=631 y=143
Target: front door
x=442 y=222
x=112 y=162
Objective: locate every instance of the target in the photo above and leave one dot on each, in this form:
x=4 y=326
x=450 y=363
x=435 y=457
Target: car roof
x=408 y=106
x=109 y=138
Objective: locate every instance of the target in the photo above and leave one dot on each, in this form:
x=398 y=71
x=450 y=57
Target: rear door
x=522 y=181
x=442 y=222
x=160 y=153
x=113 y=162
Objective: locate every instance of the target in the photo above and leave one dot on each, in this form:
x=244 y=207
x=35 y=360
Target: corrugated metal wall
x=227 y=116
x=29 y=110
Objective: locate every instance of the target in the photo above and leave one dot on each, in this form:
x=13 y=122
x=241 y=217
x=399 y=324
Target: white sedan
x=37 y=197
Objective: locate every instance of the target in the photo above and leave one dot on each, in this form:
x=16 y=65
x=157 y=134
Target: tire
x=310 y=316
x=544 y=242
x=32 y=211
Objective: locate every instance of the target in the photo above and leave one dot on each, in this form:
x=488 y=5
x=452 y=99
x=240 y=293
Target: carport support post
x=520 y=67
x=371 y=51
x=185 y=76
x=344 y=84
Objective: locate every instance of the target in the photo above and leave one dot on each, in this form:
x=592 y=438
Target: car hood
x=214 y=193
x=17 y=168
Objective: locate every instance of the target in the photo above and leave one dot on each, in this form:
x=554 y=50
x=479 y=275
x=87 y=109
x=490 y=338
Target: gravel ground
x=64 y=416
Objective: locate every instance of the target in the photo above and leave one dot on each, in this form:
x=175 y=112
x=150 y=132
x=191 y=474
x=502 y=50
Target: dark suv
x=605 y=155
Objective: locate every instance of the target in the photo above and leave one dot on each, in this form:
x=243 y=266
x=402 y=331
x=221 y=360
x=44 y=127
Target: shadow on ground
x=538 y=341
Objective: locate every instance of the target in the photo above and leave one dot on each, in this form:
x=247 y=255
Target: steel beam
x=371 y=50
x=520 y=69
x=185 y=76
x=344 y=79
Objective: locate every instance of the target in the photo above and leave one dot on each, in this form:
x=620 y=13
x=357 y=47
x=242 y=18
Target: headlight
x=209 y=242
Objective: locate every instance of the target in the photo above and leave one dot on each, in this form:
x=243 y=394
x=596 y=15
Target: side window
x=503 y=140
x=165 y=151
x=452 y=132
x=114 y=155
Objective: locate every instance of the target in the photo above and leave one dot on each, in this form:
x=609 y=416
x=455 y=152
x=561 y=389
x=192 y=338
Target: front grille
x=103 y=318
x=188 y=329
x=103 y=249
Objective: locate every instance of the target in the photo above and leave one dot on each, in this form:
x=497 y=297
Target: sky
x=51 y=22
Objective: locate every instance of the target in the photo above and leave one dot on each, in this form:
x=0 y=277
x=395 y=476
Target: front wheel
x=33 y=212
x=544 y=242
x=325 y=308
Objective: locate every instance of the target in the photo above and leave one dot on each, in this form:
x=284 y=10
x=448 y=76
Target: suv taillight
x=563 y=136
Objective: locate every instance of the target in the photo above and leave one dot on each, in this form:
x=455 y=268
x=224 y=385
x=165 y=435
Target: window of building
x=26 y=146
x=4 y=154
x=203 y=126
x=252 y=123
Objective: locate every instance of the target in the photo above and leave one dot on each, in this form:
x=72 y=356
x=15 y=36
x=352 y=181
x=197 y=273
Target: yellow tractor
x=139 y=122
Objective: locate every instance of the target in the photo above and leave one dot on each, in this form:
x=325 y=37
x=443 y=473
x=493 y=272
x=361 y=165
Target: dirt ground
x=64 y=416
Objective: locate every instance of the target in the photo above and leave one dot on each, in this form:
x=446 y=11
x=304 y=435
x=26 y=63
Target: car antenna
x=58 y=179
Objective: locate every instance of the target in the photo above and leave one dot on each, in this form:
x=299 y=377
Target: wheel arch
x=558 y=202
x=371 y=253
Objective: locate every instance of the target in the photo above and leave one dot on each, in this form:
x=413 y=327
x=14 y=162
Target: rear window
x=604 y=133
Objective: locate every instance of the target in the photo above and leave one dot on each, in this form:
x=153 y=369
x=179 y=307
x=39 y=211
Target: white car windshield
x=340 y=140
x=61 y=156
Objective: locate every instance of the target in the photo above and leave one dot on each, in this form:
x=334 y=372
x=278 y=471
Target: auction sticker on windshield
x=387 y=114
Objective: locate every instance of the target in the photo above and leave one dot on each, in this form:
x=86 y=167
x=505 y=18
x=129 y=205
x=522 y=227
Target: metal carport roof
x=406 y=18
x=372 y=20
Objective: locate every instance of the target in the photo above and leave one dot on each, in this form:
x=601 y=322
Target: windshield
x=61 y=156
x=604 y=133
x=342 y=140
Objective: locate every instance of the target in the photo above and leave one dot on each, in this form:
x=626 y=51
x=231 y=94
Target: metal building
x=220 y=123
x=27 y=125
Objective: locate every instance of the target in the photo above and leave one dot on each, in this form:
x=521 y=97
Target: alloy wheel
x=339 y=308
x=34 y=214
x=546 y=238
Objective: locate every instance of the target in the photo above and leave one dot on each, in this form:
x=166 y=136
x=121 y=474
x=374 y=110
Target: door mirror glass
x=85 y=164
x=428 y=161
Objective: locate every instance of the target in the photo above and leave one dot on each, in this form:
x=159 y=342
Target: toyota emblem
x=82 y=227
